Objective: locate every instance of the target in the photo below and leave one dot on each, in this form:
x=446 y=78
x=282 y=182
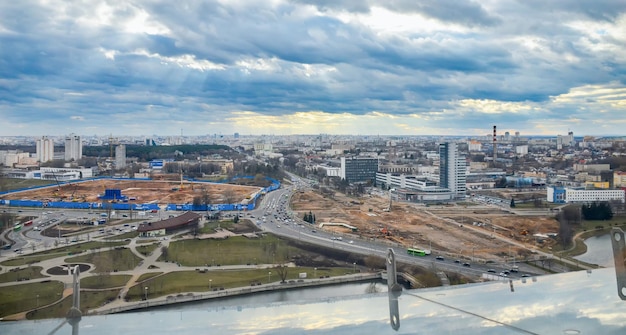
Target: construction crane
x=388 y=209
x=112 y=141
x=57 y=193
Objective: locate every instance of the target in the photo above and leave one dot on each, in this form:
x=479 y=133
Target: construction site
x=464 y=230
x=139 y=191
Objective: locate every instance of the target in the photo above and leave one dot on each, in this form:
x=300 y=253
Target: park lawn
x=195 y=281
x=17 y=183
x=148 y=276
x=147 y=249
x=20 y=298
x=30 y=259
x=210 y=226
x=118 y=259
x=31 y=272
x=587 y=225
x=146 y=241
x=104 y=281
x=131 y=234
x=88 y=300
x=235 y=250
x=59 y=252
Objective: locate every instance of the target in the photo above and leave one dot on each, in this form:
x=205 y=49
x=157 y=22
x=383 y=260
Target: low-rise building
x=168 y=226
x=557 y=194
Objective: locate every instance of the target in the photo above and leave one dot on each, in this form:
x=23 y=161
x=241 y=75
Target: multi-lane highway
x=273 y=215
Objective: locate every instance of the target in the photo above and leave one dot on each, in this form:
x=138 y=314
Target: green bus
x=417 y=252
x=17 y=227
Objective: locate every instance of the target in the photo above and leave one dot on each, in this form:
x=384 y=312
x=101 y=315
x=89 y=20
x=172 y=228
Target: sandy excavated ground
x=161 y=192
x=455 y=229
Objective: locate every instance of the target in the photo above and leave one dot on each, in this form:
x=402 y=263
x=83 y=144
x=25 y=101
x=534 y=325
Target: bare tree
x=282 y=270
x=374 y=262
x=571 y=214
x=228 y=195
x=164 y=252
x=565 y=230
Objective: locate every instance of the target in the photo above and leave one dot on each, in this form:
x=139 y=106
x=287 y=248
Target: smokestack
x=495 y=146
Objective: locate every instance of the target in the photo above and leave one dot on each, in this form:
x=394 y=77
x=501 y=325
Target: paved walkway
x=144 y=267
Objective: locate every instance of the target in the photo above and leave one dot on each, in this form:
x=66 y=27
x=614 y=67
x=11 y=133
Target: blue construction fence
x=275 y=184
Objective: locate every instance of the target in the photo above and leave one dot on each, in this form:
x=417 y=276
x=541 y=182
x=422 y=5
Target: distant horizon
x=512 y=135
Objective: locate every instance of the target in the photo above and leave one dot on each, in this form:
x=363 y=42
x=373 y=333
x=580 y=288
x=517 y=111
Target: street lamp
x=37 y=300
x=315 y=272
x=269 y=274
x=146 y=290
x=210 y=282
x=354 y=266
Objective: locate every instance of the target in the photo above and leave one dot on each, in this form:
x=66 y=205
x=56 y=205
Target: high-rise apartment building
x=73 y=147
x=452 y=169
x=45 y=149
x=120 y=156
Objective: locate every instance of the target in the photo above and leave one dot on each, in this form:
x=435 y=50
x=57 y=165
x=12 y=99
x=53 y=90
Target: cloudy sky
x=306 y=67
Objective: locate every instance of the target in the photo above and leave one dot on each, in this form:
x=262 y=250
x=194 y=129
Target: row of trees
x=573 y=215
x=148 y=153
x=310 y=217
x=597 y=211
x=192 y=170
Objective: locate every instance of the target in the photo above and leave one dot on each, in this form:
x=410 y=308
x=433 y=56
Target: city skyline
x=309 y=67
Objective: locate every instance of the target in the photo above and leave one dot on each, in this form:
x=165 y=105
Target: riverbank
x=579 y=247
x=120 y=306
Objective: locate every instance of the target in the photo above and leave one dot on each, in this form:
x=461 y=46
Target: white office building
x=73 y=147
x=45 y=149
x=569 y=194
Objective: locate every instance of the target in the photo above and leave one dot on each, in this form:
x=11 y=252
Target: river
x=599 y=251
x=304 y=294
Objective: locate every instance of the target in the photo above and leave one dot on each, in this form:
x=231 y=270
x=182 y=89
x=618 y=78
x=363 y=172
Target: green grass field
x=88 y=300
x=104 y=281
x=148 y=276
x=146 y=241
x=108 y=261
x=231 y=251
x=210 y=226
x=17 y=183
x=19 y=298
x=31 y=272
x=58 y=252
x=186 y=281
x=147 y=249
x=123 y=236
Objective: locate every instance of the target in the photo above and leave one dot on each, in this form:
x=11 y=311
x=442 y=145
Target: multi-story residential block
x=452 y=169
x=73 y=147
x=45 y=149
